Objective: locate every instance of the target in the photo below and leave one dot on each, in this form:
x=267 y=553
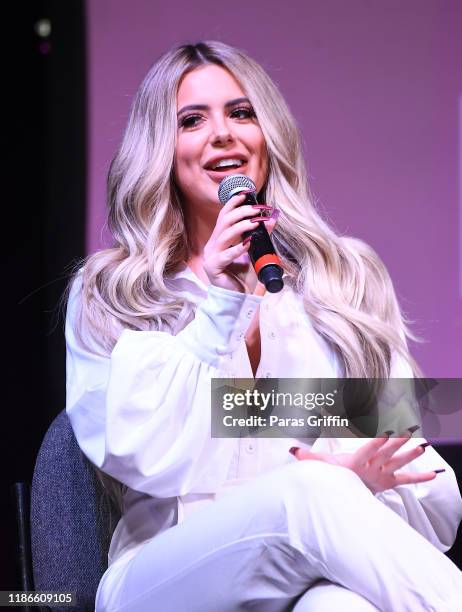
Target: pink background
x=375 y=88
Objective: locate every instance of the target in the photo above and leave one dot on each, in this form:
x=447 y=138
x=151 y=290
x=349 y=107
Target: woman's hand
x=226 y=245
x=376 y=462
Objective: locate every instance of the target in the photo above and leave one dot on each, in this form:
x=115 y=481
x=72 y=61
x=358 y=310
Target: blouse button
x=249 y=313
x=240 y=335
x=250 y=448
x=268 y=375
x=272 y=335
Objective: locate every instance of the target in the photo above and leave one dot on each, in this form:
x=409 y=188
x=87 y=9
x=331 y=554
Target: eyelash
x=249 y=111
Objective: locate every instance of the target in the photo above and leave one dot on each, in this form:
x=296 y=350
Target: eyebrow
x=206 y=107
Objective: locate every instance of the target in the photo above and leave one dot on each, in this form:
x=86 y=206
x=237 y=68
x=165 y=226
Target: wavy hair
x=345 y=287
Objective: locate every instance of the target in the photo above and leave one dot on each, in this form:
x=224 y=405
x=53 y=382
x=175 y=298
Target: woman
x=229 y=524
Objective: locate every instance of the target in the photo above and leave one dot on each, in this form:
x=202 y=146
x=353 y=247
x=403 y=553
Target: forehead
x=208 y=84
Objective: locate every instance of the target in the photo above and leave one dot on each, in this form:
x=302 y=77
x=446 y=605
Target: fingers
x=234 y=234
x=387 y=451
x=401 y=459
x=226 y=257
x=408 y=478
x=303 y=453
x=234 y=211
x=227 y=219
x=368 y=450
x=226 y=243
x=235 y=202
x=223 y=220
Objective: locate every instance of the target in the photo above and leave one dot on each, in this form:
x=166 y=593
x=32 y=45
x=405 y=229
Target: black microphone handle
x=263 y=255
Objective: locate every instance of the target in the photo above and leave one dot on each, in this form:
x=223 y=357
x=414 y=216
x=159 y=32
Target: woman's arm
x=142 y=414
x=434 y=507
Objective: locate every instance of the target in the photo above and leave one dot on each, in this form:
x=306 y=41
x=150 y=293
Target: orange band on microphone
x=264 y=260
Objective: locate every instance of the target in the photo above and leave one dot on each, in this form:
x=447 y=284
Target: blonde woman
x=211 y=524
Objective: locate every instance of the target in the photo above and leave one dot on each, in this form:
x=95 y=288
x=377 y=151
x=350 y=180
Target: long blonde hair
x=346 y=289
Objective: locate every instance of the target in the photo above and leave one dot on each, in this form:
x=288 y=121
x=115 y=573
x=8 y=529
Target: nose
x=221 y=131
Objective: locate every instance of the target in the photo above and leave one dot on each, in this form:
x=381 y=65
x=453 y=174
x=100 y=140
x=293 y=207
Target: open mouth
x=216 y=173
x=225 y=169
x=224 y=166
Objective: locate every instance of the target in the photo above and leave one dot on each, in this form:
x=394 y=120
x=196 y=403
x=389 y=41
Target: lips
x=217 y=175
x=230 y=155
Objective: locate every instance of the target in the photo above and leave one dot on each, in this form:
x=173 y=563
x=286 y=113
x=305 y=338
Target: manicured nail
x=246 y=240
x=293 y=450
x=262 y=207
x=439 y=471
x=413 y=428
x=245 y=191
x=424 y=444
x=258 y=219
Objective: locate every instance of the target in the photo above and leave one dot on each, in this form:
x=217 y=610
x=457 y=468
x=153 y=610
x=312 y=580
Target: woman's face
x=220 y=126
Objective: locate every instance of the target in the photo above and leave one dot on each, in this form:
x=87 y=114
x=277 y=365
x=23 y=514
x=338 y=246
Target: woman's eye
x=245 y=113
x=190 y=121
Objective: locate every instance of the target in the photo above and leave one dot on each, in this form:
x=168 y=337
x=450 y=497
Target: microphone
x=265 y=261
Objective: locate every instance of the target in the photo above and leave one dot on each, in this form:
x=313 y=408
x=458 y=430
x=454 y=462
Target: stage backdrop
x=376 y=89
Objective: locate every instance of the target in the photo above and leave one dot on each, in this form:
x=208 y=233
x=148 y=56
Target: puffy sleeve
x=142 y=414
x=433 y=508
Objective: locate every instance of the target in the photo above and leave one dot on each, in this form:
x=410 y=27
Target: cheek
x=182 y=163
x=187 y=153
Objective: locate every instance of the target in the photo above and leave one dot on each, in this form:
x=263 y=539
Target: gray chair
x=71 y=518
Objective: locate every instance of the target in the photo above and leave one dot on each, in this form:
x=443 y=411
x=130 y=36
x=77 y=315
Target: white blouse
x=142 y=414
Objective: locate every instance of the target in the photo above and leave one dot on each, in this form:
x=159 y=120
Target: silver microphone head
x=233 y=184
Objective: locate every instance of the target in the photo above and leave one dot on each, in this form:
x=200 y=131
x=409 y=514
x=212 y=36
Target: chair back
x=72 y=518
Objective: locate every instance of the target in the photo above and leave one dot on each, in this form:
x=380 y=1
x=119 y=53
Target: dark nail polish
x=293 y=450
x=258 y=219
x=247 y=240
x=424 y=444
x=439 y=471
x=413 y=428
x=388 y=433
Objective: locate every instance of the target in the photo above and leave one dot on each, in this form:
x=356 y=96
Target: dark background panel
x=44 y=211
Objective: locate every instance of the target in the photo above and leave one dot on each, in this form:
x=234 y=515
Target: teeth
x=223 y=163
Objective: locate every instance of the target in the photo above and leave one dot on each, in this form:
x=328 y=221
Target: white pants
x=309 y=536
